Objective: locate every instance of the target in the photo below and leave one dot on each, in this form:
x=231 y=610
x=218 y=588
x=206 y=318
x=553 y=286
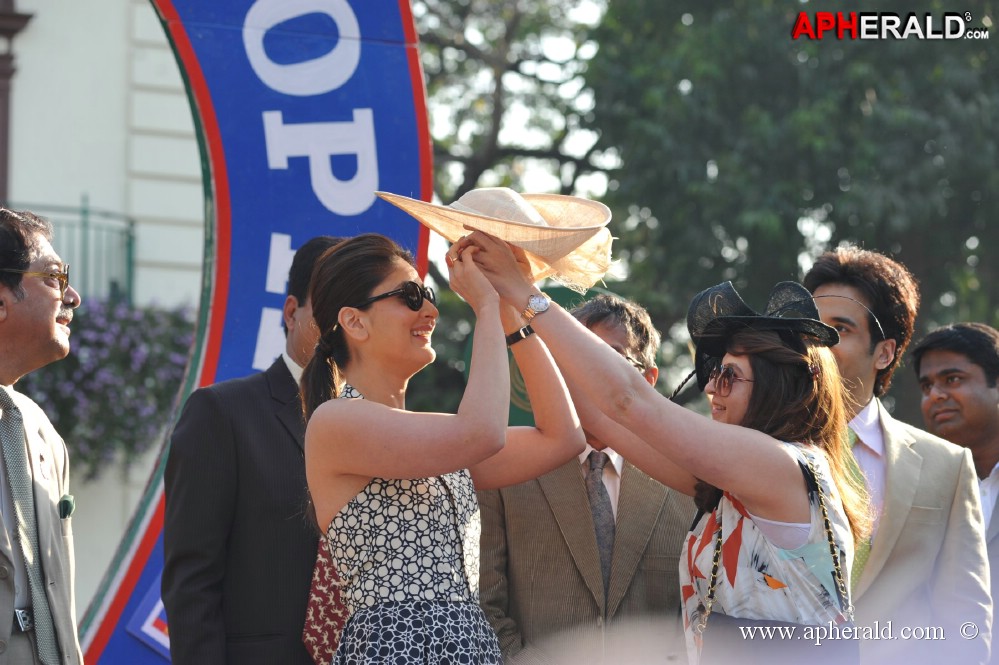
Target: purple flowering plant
x=113 y=397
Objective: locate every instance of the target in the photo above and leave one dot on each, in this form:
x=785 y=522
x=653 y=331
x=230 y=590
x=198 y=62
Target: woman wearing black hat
x=770 y=469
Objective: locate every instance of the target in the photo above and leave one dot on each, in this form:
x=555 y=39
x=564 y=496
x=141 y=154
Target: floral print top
x=759 y=580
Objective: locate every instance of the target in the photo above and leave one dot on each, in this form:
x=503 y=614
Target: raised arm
x=350 y=441
x=556 y=435
x=748 y=463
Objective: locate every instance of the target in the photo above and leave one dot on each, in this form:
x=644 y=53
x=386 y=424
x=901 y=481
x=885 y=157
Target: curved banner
x=304 y=108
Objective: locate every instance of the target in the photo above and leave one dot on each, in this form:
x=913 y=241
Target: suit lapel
x=566 y=495
x=43 y=473
x=642 y=499
x=903 y=466
x=287 y=406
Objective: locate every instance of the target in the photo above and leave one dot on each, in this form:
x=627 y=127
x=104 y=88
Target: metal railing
x=99 y=246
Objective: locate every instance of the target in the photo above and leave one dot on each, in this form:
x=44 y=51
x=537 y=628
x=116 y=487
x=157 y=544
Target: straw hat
x=565 y=237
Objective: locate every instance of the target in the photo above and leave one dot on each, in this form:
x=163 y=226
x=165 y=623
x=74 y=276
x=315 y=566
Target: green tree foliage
x=506 y=93
x=743 y=152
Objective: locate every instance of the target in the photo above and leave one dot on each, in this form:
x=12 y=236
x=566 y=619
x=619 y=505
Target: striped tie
x=863 y=548
x=16 y=460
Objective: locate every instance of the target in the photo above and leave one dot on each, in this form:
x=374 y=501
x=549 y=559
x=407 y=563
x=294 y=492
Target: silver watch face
x=538 y=303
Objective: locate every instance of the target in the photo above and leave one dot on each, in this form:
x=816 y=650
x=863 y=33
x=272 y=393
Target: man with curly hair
x=925 y=565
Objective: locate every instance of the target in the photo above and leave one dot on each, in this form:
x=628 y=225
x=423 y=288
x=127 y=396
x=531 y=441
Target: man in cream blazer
x=922 y=591
x=541 y=583
x=36 y=307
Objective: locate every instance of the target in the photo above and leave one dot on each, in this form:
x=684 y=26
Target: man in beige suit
x=542 y=585
x=958 y=371
x=37 y=604
x=925 y=569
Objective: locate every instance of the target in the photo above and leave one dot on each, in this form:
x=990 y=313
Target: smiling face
x=731 y=408
x=958 y=404
x=35 y=327
x=397 y=332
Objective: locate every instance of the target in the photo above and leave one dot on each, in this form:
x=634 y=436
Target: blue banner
x=304 y=108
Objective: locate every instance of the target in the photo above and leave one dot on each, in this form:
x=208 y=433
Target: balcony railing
x=99 y=246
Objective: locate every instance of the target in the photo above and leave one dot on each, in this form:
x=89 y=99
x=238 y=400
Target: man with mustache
x=37 y=598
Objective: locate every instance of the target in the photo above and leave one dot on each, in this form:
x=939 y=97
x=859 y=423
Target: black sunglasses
x=412 y=294
x=724 y=376
x=61 y=277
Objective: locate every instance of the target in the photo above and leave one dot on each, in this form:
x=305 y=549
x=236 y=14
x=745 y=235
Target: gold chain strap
x=844 y=595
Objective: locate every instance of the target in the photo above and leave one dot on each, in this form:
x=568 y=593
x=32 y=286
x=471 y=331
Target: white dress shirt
x=870 y=454
x=988 y=490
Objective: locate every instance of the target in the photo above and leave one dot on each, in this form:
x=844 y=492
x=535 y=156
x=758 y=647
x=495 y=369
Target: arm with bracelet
x=556 y=435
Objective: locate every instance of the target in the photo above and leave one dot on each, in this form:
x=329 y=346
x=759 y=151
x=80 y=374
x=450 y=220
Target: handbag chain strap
x=844 y=595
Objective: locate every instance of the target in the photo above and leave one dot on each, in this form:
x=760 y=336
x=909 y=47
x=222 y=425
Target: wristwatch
x=537 y=304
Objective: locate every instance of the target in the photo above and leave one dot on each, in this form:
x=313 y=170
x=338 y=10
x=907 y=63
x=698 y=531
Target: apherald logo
x=885 y=25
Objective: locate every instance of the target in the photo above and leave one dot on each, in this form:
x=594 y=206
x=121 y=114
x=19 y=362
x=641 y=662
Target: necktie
x=862 y=550
x=325 y=614
x=603 y=513
x=16 y=460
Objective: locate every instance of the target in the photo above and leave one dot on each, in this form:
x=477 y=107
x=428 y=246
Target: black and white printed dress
x=407 y=552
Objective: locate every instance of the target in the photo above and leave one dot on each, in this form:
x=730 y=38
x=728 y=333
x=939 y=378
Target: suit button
x=3 y=646
x=4 y=572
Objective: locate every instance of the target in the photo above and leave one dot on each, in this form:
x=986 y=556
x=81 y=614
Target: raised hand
x=467 y=279
x=505 y=266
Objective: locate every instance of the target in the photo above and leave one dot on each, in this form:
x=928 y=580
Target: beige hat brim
x=574 y=248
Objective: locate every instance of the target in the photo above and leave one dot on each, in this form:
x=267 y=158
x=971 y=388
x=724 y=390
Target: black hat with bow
x=719 y=312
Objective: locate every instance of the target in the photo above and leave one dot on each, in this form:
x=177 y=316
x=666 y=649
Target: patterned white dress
x=759 y=580
x=407 y=552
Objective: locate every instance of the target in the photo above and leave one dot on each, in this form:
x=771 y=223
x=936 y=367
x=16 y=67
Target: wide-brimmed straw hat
x=719 y=312
x=565 y=237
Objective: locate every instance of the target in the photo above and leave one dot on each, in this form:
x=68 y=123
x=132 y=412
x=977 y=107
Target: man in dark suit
x=238 y=546
x=37 y=599
x=542 y=580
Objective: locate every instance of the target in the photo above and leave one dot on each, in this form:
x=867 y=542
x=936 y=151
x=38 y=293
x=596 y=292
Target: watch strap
x=523 y=333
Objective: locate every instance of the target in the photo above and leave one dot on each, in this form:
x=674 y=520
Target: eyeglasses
x=62 y=277
x=412 y=294
x=723 y=377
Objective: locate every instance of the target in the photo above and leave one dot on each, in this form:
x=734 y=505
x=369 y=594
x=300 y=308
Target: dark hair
x=19 y=232
x=977 y=341
x=798 y=396
x=643 y=337
x=889 y=289
x=345 y=275
x=300 y=274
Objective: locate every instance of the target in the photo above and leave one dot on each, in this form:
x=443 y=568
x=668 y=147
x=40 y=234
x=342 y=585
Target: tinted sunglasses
x=723 y=377
x=61 y=277
x=412 y=294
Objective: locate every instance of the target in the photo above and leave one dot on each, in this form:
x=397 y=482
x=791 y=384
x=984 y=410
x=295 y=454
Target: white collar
x=867 y=426
x=293 y=367
x=615 y=457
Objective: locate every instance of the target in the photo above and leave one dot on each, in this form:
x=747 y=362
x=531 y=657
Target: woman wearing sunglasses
x=769 y=470
x=392 y=489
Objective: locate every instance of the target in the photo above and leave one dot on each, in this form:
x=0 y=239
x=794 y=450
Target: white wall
x=98 y=108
